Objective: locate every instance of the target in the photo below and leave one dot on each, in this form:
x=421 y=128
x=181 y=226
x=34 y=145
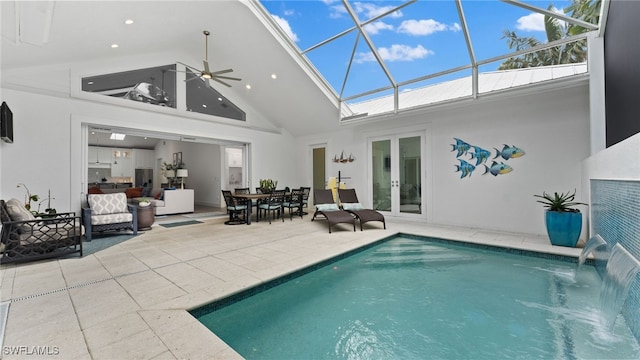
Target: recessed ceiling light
x=274 y=76
x=248 y=87
x=128 y=22
x=204 y=105
x=113 y=46
x=90 y=83
x=116 y=136
x=219 y=99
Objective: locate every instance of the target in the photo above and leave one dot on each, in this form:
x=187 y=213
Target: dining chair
x=293 y=201
x=273 y=204
x=305 y=198
x=234 y=208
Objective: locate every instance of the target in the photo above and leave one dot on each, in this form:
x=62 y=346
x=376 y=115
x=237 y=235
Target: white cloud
x=396 y=52
x=284 y=24
x=535 y=21
x=371 y=10
x=337 y=11
x=289 y=12
x=425 y=27
x=531 y=22
x=377 y=26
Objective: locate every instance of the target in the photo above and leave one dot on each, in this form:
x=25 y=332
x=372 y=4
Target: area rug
x=180 y=223
x=101 y=242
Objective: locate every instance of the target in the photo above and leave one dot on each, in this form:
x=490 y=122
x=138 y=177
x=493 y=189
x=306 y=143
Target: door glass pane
x=381 y=169
x=410 y=179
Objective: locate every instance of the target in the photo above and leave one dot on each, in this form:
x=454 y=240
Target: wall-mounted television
x=6 y=123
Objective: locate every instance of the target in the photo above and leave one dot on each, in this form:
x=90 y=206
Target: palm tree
x=573 y=52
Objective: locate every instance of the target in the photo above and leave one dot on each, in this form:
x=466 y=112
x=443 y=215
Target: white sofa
x=174 y=201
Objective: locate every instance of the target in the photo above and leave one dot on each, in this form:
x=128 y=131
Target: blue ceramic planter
x=563 y=228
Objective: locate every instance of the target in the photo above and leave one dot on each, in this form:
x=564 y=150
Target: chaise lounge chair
x=326 y=206
x=350 y=203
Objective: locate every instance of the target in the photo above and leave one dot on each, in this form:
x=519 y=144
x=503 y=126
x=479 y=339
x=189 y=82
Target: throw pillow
x=95 y=190
x=18 y=212
x=327 y=207
x=133 y=192
x=352 y=206
x=158 y=195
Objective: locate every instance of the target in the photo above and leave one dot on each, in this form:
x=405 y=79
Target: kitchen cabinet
x=122 y=163
x=99 y=155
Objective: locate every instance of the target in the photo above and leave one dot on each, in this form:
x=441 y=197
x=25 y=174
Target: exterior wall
x=551 y=126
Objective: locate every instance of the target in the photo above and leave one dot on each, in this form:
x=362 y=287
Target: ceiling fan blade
x=206 y=66
x=227 y=78
x=190 y=67
x=220 y=81
x=221 y=71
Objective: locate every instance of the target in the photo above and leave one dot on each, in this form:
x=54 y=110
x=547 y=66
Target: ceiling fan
x=206 y=74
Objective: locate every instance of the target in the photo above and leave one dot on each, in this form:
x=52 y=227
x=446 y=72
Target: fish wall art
x=481 y=156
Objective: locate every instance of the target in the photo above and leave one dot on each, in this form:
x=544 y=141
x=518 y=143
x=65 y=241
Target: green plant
x=562 y=202
x=28 y=198
x=268 y=184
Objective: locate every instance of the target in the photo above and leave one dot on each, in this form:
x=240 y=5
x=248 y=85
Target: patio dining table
x=250 y=198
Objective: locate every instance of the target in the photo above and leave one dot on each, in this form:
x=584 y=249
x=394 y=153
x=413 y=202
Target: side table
x=146 y=217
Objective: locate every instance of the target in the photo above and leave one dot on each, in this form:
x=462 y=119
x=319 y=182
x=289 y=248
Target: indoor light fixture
x=116 y=136
x=128 y=22
x=113 y=46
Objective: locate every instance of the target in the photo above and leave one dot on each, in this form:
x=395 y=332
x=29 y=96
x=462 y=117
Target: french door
x=396 y=174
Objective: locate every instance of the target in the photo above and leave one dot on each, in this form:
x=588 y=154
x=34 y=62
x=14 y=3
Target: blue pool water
x=412 y=298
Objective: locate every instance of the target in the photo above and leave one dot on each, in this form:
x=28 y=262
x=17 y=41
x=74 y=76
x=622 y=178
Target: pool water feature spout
x=622 y=268
x=593 y=243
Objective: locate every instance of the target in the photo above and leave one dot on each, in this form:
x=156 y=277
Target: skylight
x=386 y=56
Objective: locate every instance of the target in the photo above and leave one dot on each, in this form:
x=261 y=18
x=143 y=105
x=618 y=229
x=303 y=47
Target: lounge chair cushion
x=352 y=206
x=327 y=207
x=103 y=204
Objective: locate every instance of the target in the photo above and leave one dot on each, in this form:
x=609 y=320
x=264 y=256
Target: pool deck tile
x=130 y=300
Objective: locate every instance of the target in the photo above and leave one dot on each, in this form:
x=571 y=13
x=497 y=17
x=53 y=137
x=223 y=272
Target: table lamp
x=182 y=173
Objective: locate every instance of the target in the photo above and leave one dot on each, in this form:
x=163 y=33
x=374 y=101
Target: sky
x=422 y=38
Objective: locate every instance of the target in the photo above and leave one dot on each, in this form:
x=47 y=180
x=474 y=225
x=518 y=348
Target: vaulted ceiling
x=38 y=35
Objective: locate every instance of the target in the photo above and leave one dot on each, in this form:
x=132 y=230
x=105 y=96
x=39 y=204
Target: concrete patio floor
x=128 y=301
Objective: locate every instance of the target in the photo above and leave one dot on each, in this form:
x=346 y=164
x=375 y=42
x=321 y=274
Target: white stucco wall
x=48 y=152
x=552 y=127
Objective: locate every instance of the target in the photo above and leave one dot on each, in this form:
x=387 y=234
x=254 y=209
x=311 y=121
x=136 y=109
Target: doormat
x=180 y=223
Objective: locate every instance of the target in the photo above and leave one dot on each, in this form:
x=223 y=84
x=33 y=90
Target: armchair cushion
x=103 y=204
x=111 y=218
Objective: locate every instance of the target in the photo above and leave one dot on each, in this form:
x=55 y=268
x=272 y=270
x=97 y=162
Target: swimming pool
x=409 y=297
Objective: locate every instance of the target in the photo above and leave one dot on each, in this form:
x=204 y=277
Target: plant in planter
x=268 y=185
x=563 y=220
x=144 y=202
